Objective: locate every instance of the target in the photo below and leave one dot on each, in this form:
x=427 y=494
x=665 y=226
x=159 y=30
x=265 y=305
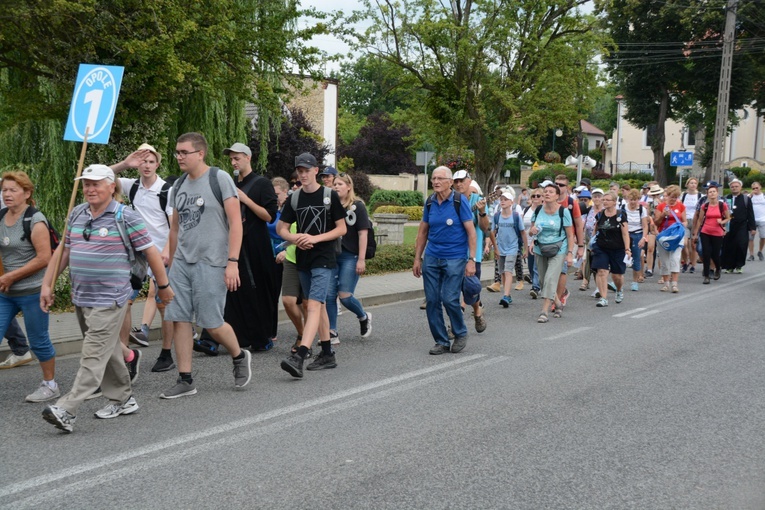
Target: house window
x=650 y=133
x=691 y=134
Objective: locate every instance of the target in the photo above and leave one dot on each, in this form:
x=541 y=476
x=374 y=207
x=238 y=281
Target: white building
x=630 y=151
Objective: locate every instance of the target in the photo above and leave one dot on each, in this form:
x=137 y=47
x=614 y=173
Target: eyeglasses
x=87 y=230
x=183 y=154
x=536 y=196
x=436 y=179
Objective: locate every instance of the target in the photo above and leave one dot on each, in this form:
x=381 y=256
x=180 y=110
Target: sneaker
x=134 y=366
x=95 y=394
x=648 y=273
x=294 y=365
x=750 y=258
x=534 y=293
x=685 y=268
x=60 y=418
x=564 y=298
x=181 y=389
x=459 y=344
x=760 y=256
x=706 y=280
x=692 y=269
x=619 y=296
x=113 y=410
x=738 y=270
x=635 y=286
x=15 y=360
x=322 y=361
x=163 y=365
x=602 y=303
x=206 y=346
x=438 y=349
x=505 y=301
x=595 y=293
x=43 y=393
x=243 y=370
x=138 y=336
x=527 y=278
x=494 y=287
x=480 y=324
x=717 y=274
x=728 y=271
x=365 y=326
x=612 y=286
x=267 y=347
x=334 y=339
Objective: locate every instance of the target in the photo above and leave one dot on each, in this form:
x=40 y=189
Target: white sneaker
x=14 y=360
x=114 y=410
x=43 y=393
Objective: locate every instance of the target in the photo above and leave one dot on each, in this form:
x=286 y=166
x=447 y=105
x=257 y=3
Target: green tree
x=490 y=71
x=189 y=66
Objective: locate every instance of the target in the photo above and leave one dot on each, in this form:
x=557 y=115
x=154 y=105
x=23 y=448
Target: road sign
x=681 y=158
x=94 y=102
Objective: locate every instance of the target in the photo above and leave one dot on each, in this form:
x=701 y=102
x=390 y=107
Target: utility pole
x=723 y=93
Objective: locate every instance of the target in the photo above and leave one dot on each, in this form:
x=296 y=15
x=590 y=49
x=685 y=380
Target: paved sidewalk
x=371 y=291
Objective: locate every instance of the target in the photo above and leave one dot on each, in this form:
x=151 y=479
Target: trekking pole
x=75 y=187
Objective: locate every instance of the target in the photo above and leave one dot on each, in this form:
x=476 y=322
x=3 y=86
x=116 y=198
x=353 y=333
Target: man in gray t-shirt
x=205 y=239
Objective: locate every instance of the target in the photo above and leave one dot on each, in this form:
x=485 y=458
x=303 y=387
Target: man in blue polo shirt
x=447 y=228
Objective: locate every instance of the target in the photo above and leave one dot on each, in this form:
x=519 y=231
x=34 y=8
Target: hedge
x=391 y=258
x=413 y=212
x=390 y=197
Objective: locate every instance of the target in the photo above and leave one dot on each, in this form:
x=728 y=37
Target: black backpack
x=55 y=237
x=163 y=193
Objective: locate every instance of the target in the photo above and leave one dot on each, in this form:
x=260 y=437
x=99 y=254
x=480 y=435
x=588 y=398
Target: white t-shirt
x=690 y=202
x=147 y=204
x=634 y=218
x=758 y=204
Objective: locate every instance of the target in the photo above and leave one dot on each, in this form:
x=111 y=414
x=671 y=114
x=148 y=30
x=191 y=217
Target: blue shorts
x=315 y=283
x=612 y=260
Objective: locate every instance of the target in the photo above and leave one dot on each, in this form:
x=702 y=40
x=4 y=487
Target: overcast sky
x=327 y=43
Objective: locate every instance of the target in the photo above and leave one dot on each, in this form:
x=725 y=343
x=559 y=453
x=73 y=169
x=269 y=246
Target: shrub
x=391 y=258
x=414 y=212
x=390 y=197
x=552 y=157
x=362 y=186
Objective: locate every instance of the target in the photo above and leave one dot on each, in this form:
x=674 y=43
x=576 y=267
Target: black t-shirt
x=314 y=217
x=356 y=218
x=261 y=191
x=610 y=230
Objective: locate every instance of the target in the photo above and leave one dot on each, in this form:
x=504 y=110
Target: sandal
x=542 y=318
x=557 y=314
x=295 y=347
x=675 y=290
x=661 y=281
x=665 y=288
x=584 y=286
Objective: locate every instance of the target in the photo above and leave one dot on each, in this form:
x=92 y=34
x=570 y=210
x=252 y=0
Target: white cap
x=238 y=147
x=597 y=190
x=97 y=173
x=461 y=174
x=508 y=194
x=546 y=183
x=579 y=188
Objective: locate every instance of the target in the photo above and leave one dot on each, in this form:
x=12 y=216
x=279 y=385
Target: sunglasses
x=87 y=230
x=561 y=184
x=536 y=196
x=294 y=183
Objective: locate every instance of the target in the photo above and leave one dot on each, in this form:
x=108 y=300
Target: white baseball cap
x=97 y=173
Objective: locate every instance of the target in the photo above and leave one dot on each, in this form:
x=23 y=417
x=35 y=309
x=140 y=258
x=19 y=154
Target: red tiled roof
x=590 y=129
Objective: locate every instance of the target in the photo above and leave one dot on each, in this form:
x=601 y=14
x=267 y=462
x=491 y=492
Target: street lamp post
x=557 y=132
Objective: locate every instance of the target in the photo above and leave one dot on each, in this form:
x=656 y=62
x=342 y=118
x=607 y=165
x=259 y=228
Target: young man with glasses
x=205 y=241
x=758 y=205
x=100 y=273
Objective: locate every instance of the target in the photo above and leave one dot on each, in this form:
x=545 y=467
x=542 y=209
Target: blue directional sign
x=93 y=103
x=681 y=158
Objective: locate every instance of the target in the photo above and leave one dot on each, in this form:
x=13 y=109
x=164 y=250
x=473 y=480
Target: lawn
x=410 y=235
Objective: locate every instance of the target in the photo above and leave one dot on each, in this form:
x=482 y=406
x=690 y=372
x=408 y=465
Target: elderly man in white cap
x=463 y=184
x=101 y=286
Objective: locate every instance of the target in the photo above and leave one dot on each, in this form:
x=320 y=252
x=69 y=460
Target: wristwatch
x=472 y=259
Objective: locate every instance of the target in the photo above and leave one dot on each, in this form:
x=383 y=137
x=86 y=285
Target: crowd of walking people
x=222 y=251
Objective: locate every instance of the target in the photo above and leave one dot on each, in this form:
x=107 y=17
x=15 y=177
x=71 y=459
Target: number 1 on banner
x=94 y=103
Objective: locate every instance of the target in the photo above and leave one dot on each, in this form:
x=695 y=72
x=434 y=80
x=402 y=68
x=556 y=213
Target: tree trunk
x=657 y=143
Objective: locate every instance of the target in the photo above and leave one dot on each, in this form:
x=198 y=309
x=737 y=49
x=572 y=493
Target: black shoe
x=366 y=326
x=459 y=344
x=134 y=366
x=322 y=361
x=648 y=273
x=439 y=349
x=163 y=365
x=206 y=346
x=294 y=365
x=527 y=278
x=717 y=274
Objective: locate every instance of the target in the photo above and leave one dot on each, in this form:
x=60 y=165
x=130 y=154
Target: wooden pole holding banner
x=75 y=187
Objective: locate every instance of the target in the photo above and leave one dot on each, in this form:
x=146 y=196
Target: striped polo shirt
x=99 y=267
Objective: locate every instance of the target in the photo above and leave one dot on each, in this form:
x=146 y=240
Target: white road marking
x=645 y=314
x=624 y=314
x=568 y=333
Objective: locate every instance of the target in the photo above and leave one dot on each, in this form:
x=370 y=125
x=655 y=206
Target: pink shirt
x=712 y=214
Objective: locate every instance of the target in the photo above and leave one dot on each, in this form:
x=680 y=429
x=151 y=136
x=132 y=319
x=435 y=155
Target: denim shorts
x=315 y=283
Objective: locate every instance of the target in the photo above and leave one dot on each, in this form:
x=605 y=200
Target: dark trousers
x=734 y=246
x=711 y=247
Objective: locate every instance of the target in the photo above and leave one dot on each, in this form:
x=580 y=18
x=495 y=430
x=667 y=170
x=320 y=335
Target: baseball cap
x=97 y=173
x=580 y=188
x=330 y=170
x=646 y=186
x=597 y=190
x=585 y=181
x=471 y=289
x=585 y=194
x=461 y=174
x=545 y=183
x=508 y=194
x=712 y=184
x=147 y=147
x=238 y=147
x=306 y=160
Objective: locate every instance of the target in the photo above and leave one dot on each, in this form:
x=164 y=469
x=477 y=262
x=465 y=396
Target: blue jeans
x=344 y=279
x=35 y=320
x=636 y=251
x=442 y=279
x=531 y=261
